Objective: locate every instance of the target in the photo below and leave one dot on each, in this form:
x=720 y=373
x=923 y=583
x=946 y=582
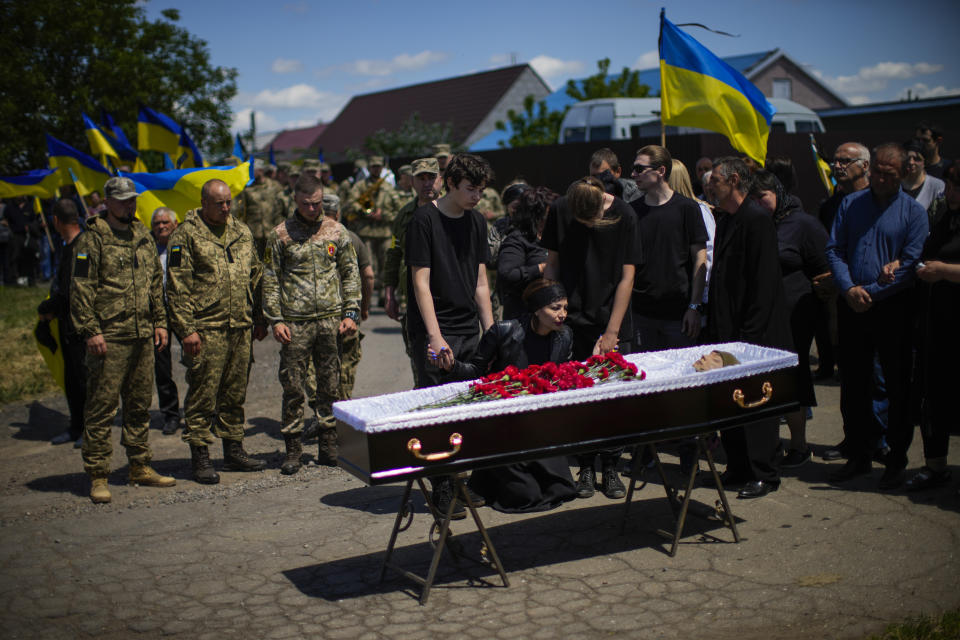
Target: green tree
x=414 y=138
x=536 y=126
x=61 y=58
x=603 y=85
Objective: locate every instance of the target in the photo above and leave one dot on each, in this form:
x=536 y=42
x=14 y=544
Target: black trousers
x=752 y=450
x=74 y=378
x=884 y=329
x=167 y=397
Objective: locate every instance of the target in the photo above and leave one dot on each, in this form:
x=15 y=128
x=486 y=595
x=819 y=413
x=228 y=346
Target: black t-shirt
x=802 y=246
x=536 y=347
x=453 y=249
x=661 y=288
x=591 y=262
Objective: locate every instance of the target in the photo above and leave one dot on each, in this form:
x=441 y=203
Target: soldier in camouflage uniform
x=346 y=185
x=310 y=166
x=311 y=295
x=492 y=209
x=326 y=177
x=426 y=183
x=404 y=188
x=372 y=220
x=116 y=306
x=213 y=274
x=262 y=206
x=443 y=154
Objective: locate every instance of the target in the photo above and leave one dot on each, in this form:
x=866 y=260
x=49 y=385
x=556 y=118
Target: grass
x=23 y=374
x=946 y=627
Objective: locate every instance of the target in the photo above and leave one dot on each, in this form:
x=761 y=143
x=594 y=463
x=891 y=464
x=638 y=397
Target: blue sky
x=300 y=61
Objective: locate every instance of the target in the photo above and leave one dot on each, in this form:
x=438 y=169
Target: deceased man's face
x=709 y=361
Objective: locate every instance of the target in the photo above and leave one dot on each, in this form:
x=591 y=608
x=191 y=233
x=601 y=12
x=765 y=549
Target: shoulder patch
x=82 y=266
x=176 y=256
x=332 y=249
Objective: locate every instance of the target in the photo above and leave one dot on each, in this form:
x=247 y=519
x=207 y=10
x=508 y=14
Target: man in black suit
x=747 y=304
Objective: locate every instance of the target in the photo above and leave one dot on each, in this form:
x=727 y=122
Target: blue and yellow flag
x=273 y=158
x=180 y=189
x=157 y=132
x=47 y=337
x=100 y=144
x=90 y=175
x=698 y=89
x=824 y=170
x=238 y=149
x=117 y=137
x=189 y=155
x=39 y=182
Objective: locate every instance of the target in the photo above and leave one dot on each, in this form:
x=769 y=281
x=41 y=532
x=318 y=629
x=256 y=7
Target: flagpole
x=663 y=127
x=43 y=221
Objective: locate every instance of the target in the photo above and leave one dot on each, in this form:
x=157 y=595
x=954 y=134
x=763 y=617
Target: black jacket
x=747 y=301
x=518 y=264
x=502 y=346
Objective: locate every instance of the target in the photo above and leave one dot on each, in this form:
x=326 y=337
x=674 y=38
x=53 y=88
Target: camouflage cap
x=331 y=202
x=359 y=163
x=258 y=163
x=325 y=167
x=120 y=189
x=310 y=163
x=284 y=166
x=405 y=170
x=375 y=161
x=441 y=151
x=425 y=165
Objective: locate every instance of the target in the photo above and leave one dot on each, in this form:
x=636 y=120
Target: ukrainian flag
x=157 y=132
x=117 y=137
x=698 y=89
x=180 y=189
x=99 y=143
x=824 y=171
x=188 y=156
x=90 y=174
x=39 y=182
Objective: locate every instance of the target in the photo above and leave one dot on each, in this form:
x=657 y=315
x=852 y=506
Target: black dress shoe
x=839 y=452
x=170 y=426
x=927 y=478
x=852 y=469
x=728 y=479
x=757 y=489
x=892 y=478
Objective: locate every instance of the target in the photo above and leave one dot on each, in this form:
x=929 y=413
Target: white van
x=626 y=118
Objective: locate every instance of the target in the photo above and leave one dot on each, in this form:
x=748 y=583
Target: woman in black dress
x=802 y=243
x=536 y=337
x=521 y=259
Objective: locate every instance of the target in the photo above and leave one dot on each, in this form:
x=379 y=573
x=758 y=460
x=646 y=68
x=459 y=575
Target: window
x=783 y=88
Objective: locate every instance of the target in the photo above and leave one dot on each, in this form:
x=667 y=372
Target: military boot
x=327 y=448
x=99 y=493
x=203 y=471
x=236 y=459
x=291 y=463
x=145 y=476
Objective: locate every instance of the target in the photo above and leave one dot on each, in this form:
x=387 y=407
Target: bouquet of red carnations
x=538 y=379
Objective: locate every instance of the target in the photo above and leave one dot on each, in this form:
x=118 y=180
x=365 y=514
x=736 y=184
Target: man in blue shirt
x=873 y=229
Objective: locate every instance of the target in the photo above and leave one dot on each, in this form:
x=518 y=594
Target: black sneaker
x=611 y=486
x=927 y=478
x=442 y=495
x=585 y=482
x=795 y=458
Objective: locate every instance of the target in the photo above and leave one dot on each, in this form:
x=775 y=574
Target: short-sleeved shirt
x=363 y=253
x=591 y=261
x=663 y=281
x=453 y=249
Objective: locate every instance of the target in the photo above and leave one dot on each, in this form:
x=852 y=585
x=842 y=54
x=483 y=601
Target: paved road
x=267 y=556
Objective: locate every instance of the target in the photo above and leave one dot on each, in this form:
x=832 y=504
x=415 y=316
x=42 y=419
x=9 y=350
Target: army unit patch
x=331 y=249
x=176 y=255
x=82 y=266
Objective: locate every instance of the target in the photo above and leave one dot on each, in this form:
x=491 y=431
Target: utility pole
x=253 y=133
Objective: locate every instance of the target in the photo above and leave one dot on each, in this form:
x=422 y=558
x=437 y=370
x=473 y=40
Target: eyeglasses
x=844 y=161
x=640 y=168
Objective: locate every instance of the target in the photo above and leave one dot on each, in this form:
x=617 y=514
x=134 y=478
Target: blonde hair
x=679 y=180
x=585 y=197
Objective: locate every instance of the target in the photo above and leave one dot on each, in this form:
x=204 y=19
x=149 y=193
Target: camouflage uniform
x=375 y=233
x=262 y=207
x=117 y=292
x=311 y=282
x=350 y=348
x=395 y=272
x=492 y=209
x=212 y=283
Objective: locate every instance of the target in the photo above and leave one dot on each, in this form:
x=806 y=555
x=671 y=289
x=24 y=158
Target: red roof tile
x=291 y=139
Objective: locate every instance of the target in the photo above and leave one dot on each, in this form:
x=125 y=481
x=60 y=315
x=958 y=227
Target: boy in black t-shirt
x=446 y=256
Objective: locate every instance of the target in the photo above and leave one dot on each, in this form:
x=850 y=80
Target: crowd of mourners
x=480 y=280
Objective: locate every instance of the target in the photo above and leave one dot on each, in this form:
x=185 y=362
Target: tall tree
x=536 y=126
x=61 y=58
x=414 y=138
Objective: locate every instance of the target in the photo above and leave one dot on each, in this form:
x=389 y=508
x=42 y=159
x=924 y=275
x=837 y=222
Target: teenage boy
x=446 y=258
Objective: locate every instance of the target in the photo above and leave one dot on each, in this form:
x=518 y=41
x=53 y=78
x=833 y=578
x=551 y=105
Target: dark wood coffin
x=383 y=456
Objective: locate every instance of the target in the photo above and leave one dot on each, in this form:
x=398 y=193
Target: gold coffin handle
x=414 y=447
x=767 y=390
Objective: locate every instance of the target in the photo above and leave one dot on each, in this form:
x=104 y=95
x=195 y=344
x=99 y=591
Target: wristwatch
x=353 y=315
x=695 y=307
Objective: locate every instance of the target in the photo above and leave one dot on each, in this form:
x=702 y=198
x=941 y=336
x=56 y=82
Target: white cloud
x=556 y=69
x=648 y=60
x=921 y=90
x=399 y=63
x=878 y=76
x=298 y=96
x=855 y=100
x=268 y=123
x=284 y=65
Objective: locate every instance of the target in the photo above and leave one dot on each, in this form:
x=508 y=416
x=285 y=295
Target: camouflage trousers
x=216 y=386
x=351 y=352
x=378 y=258
x=316 y=342
x=124 y=373
x=408 y=347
